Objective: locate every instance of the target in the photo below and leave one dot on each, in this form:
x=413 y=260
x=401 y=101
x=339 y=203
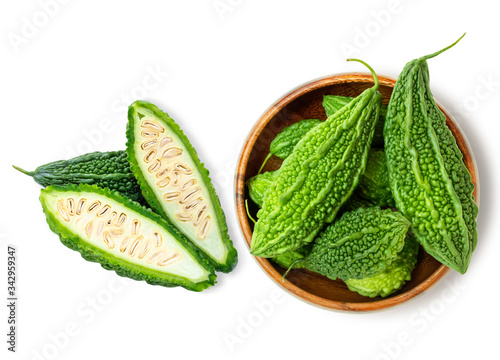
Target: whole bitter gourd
x=374 y=183
x=333 y=103
x=361 y=243
x=104 y=169
x=391 y=279
x=123 y=236
x=317 y=178
x=175 y=183
x=428 y=178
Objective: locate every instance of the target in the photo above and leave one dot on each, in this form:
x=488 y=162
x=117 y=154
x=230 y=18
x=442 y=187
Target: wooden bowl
x=305 y=102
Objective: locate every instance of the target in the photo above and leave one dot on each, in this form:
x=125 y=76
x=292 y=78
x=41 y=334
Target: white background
x=68 y=71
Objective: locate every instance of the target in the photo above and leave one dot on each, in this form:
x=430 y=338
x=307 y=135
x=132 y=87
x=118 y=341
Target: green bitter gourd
x=333 y=103
x=290 y=259
x=284 y=142
x=361 y=243
x=428 y=178
x=391 y=279
x=123 y=236
x=175 y=183
x=353 y=203
x=374 y=183
x=104 y=169
x=317 y=178
x=258 y=185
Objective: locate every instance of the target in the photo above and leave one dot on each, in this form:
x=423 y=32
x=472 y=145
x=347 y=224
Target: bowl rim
x=264 y=119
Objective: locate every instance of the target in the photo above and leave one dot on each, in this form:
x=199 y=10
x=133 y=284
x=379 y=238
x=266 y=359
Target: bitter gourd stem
x=248 y=212
x=30 y=173
x=264 y=163
x=375 y=78
x=442 y=50
x=290 y=268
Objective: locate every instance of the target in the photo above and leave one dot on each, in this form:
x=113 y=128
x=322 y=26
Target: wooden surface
x=305 y=102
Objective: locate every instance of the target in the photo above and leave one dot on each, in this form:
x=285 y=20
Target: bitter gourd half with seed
x=317 y=178
x=123 y=236
x=104 y=169
x=175 y=183
x=361 y=243
x=428 y=178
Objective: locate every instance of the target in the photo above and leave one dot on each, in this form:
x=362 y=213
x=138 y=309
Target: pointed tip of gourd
x=375 y=77
x=430 y=56
x=29 y=173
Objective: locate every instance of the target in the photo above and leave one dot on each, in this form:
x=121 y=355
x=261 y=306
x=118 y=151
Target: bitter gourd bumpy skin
x=317 y=178
x=118 y=233
x=104 y=169
x=391 y=279
x=258 y=185
x=429 y=180
x=175 y=183
x=284 y=142
x=361 y=243
x=374 y=183
x=333 y=103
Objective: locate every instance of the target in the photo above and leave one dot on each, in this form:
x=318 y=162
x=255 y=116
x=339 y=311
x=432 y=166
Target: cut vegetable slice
x=176 y=184
x=123 y=236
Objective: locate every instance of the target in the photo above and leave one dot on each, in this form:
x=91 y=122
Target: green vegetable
x=361 y=243
x=289 y=259
x=284 y=142
x=258 y=185
x=353 y=203
x=176 y=184
x=428 y=178
x=317 y=178
x=104 y=169
x=333 y=103
x=118 y=233
x=391 y=279
x=374 y=183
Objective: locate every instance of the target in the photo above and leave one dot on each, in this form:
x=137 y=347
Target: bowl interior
x=306 y=103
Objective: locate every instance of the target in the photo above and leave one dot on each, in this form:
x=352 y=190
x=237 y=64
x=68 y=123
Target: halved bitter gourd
x=176 y=184
x=121 y=235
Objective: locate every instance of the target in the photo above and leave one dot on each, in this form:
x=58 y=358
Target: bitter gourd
x=284 y=142
x=374 y=183
x=289 y=259
x=333 y=103
x=104 y=169
x=391 y=279
x=361 y=243
x=175 y=183
x=258 y=185
x=121 y=235
x=317 y=178
x=428 y=177
x=353 y=203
